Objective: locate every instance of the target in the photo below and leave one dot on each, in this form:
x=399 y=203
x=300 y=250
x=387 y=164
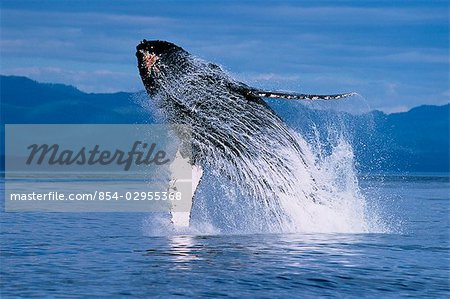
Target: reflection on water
x=186 y=252
x=183 y=251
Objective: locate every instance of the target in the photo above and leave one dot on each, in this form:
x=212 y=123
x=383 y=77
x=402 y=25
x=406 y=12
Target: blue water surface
x=110 y=254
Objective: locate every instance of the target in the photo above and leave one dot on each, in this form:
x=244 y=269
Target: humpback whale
x=231 y=123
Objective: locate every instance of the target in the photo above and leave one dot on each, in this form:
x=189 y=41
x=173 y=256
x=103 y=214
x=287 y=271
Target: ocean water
x=118 y=254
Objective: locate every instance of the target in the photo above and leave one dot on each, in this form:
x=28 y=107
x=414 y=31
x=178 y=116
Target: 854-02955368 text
x=88 y=197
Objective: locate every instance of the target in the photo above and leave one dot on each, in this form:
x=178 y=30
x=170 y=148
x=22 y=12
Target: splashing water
x=340 y=206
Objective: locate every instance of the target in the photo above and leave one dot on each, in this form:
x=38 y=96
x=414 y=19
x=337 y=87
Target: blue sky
x=394 y=53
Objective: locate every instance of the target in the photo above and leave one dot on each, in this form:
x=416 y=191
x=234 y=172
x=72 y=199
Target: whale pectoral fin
x=300 y=96
x=254 y=93
x=180 y=211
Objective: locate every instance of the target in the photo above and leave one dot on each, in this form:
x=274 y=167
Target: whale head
x=155 y=59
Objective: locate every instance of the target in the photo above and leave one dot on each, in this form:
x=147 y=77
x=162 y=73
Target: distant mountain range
x=413 y=141
x=25 y=101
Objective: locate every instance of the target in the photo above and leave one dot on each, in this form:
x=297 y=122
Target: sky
x=395 y=54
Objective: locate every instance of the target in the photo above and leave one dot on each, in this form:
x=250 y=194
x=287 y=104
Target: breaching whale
x=231 y=123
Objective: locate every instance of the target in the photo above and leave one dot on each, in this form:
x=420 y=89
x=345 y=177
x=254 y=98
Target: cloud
x=100 y=19
x=89 y=36
x=419 y=56
x=394 y=109
x=360 y=15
